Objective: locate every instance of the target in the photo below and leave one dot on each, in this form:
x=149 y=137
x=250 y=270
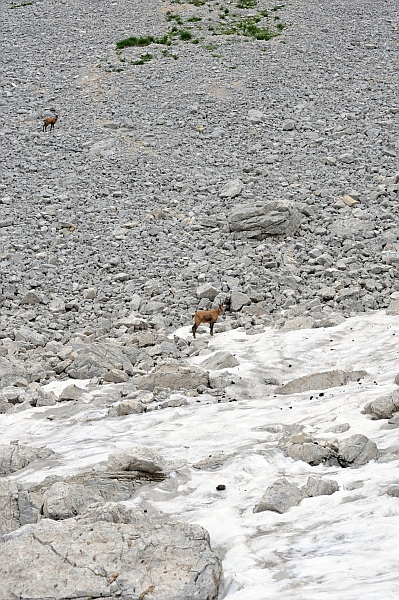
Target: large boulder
x=99 y=359
x=384 y=407
x=174 y=377
x=102 y=559
x=279 y=497
x=320 y=381
x=356 y=450
x=14 y=457
x=260 y=220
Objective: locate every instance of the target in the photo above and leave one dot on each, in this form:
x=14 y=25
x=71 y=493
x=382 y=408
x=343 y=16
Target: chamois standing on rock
x=206 y=316
x=50 y=121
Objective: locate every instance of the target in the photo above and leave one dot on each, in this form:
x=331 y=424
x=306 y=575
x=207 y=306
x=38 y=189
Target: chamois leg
x=212 y=324
x=194 y=329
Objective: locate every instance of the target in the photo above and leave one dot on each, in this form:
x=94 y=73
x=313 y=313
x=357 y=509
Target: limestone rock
x=95 y=360
x=356 y=451
x=384 y=407
x=137 y=458
x=206 y=291
x=171 y=560
x=13 y=457
x=71 y=392
x=279 y=497
x=220 y=360
x=174 y=377
x=316 y=486
x=130 y=407
x=231 y=189
x=259 y=220
x=320 y=381
x=63 y=500
x=309 y=451
x=238 y=300
x=9 y=511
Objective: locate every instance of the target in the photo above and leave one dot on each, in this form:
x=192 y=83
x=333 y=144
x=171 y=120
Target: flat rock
x=174 y=377
x=320 y=381
x=170 y=560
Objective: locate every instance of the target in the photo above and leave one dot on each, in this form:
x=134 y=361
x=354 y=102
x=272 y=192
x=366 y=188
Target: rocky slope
x=205 y=152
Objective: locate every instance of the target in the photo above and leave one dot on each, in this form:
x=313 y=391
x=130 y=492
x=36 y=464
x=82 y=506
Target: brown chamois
x=206 y=316
x=50 y=121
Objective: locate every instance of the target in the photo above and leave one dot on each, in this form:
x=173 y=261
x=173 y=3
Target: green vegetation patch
x=143 y=59
x=260 y=25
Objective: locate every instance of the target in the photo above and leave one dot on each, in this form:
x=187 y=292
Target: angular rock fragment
x=279 y=497
x=97 y=359
x=220 y=360
x=137 y=458
x=356 y=451
x=260 y=220
x=231 y=189
x=384 y=407
x=14 y=457
x=316 y=486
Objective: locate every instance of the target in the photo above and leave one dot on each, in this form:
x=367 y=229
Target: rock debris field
x=241 y=153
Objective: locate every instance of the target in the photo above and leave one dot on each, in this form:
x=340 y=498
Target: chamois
x=206 y=316
x=50 y=121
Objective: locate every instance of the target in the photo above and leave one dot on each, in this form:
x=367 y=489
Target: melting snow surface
x=342 y=547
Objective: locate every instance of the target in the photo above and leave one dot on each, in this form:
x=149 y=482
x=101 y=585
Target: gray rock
x=31 y=298
x=316 y=486
x=174 y=377
x=393 y=491
x=310 y=452
x=320 y=381
x=232 y=189
x=63 y=500
x=288 y=125
x=260 y=220
x=9 y=510
x=71 y=392
x=137 y=458
x=356 y=451
x=280 y=497
x=206 y=291
x=95 y=360
x=238 y=300
x=180 y=565
x=299 y=323
x=384 y=407
x=255 y=116
x=130 y=407
x=219 y=360
x=14 y=457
